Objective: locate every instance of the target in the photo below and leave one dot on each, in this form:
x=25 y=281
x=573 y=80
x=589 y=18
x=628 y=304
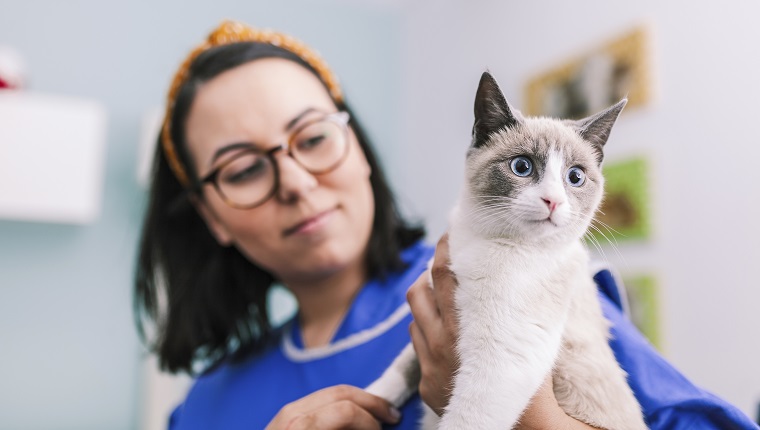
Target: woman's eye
x=246 y=173
x=521 y=166
x=575 y=176
x=311 y=142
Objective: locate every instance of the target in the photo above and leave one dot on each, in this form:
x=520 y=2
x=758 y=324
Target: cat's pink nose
x=551 y=204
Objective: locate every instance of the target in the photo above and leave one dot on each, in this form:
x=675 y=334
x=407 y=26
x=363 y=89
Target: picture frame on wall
x=625 y=213
x=594 y=80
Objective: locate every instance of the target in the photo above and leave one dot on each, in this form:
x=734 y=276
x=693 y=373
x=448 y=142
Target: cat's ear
x=492 y=112
x=596 y=129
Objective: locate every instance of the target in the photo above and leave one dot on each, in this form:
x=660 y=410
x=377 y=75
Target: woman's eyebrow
x=292 y=123
x=231 y=147
x=241 y=145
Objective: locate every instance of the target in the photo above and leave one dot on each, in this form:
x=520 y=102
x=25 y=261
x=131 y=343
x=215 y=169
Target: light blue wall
x=69 y=354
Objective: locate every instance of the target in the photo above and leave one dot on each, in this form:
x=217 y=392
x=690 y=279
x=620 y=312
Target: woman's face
x=315 y=225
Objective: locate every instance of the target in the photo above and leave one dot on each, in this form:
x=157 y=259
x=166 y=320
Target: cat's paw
x=392 y=386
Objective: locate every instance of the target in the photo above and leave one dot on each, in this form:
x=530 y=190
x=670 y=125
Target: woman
x=264 y=175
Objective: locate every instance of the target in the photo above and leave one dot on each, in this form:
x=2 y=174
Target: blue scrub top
x=248 y=394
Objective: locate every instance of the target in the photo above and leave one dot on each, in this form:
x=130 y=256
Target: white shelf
x=52 y=157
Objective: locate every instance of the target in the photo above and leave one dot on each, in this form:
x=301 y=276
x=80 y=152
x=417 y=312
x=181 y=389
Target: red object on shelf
x=12 y=69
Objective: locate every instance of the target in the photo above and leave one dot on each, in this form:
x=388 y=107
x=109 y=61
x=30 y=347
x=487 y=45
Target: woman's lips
x=310 y=224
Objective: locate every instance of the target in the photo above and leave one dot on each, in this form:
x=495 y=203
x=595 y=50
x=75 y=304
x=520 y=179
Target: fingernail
x=395 y=413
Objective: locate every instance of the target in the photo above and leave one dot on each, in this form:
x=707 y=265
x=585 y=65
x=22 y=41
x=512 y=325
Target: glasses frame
x=341 y=118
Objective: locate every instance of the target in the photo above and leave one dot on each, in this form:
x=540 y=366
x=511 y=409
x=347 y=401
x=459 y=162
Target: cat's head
x=533 y=179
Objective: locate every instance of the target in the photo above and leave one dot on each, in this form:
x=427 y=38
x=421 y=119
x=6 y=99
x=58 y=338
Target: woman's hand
x=338 y=407
x=434 y=330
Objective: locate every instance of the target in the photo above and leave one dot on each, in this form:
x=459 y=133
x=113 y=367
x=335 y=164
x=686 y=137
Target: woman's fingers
x=433 y=379
x=445 y=284
x=341 y=406
x=433 y=305
x=434 y=329
x=423 y=305
x=339 y=415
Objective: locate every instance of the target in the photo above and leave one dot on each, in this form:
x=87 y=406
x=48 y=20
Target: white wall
x=700 y=134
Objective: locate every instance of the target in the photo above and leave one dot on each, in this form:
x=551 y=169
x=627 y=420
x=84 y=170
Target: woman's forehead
x=270 y=85
x=256 y=100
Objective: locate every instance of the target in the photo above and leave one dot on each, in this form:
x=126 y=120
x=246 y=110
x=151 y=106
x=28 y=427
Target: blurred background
x=70 y=356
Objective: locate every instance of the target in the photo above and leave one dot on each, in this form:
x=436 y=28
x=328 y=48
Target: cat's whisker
x=488 y=211
x=508 y=221
x=487 y=218
x=614 y=237
x=595 y=241
x=610 y=241
x=483 y=213
x=509 y=226
x=591 y=239
x=613 y=232
x=495 y=196
x=613 y=245
x=498 y=210
x=577 y=216
x=510 y=201
x=580 y=217
x=608 y=227
x=506 y=203
x=490 y=201
x=493 y=209
x=484 y=216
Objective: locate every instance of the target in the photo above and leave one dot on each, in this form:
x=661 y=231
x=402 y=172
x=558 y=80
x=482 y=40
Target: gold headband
x=227 y=33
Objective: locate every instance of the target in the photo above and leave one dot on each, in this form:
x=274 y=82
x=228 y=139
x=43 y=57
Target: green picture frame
x=625 y=211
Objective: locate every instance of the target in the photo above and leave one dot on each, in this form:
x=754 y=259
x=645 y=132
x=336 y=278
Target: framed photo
x=625 y=212
x=594 y=81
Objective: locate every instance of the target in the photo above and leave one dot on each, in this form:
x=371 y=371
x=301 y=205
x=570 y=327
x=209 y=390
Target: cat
x=525 y=301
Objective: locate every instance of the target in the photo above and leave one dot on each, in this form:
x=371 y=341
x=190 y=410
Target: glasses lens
x=320 y=146
x=247 y=179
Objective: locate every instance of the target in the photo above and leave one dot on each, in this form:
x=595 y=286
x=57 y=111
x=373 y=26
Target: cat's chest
x=494 y=270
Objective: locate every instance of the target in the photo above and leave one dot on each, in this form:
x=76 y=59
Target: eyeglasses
x=252 y=176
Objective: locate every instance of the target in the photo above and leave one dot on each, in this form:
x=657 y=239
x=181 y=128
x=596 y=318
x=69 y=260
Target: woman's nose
x=295 y=181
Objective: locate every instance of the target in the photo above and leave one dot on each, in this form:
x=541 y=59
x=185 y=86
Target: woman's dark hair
x=206 y=301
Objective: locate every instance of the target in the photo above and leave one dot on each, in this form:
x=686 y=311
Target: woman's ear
x=216 y=227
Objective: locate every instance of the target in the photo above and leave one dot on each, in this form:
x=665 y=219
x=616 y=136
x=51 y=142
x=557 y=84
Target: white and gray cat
x=526 y=303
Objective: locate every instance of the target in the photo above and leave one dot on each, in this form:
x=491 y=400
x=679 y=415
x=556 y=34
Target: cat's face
x=533 y=179
x=536 y=180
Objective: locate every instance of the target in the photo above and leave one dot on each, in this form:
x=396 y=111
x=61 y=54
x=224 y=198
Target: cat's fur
x=526 y=303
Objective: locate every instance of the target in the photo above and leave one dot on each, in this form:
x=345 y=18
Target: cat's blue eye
x=521 y=166
x=575 y=176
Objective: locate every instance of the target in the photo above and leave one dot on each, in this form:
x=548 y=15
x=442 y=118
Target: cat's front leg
x=491 y=400
x=504 y=359
x=400 y=379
